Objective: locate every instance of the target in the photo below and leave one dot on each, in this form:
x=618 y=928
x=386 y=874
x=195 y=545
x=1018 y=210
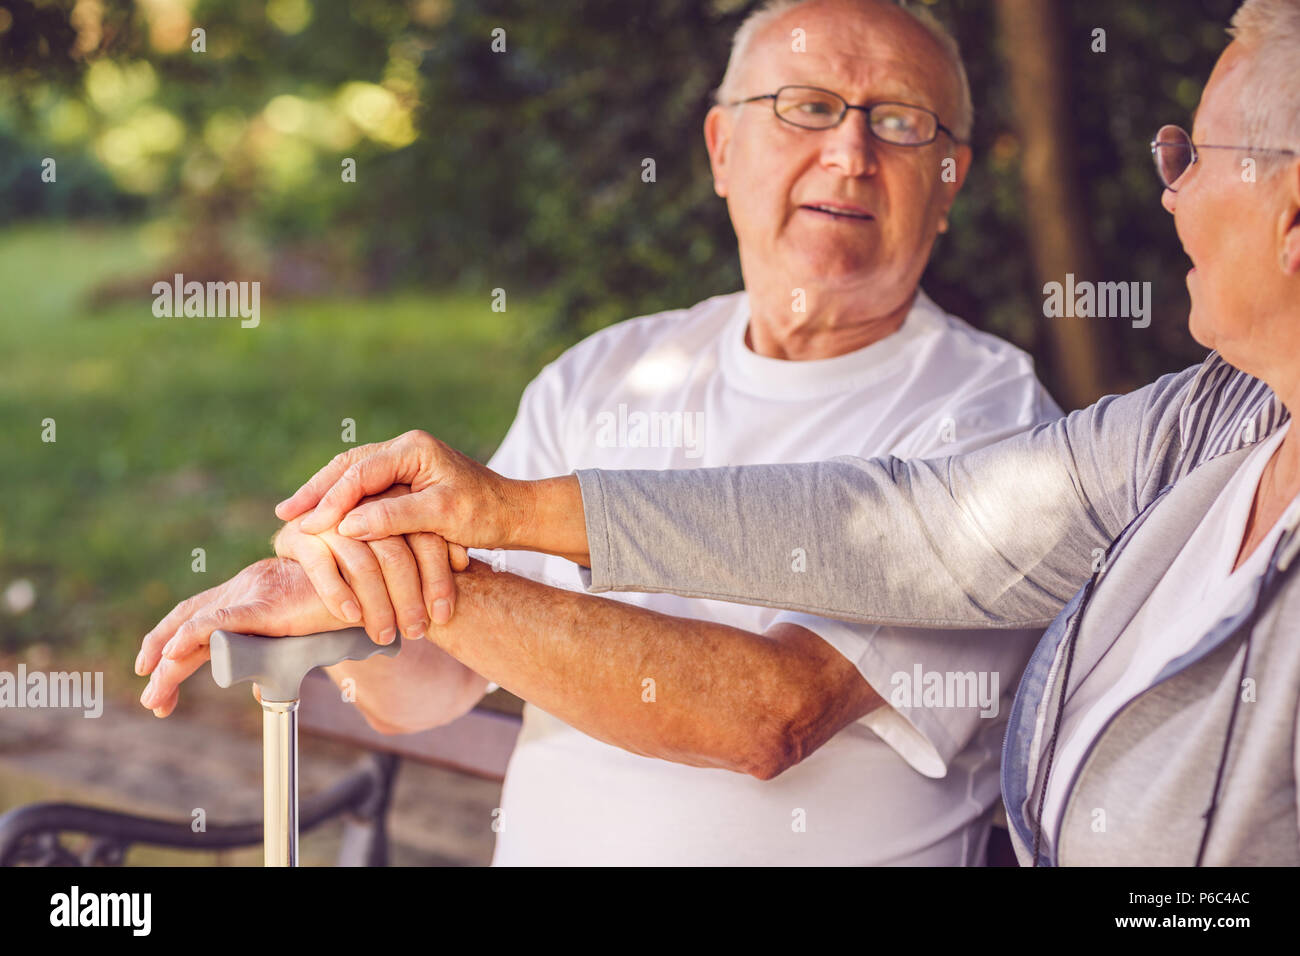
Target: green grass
x=182 y=433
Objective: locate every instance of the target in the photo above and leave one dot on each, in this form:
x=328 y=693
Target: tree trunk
x=1032 y=35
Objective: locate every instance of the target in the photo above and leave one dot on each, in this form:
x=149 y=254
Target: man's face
x=771 y=173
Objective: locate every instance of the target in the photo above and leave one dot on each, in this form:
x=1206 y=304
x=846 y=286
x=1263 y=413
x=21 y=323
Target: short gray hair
x=1270 y=31
x=773 y=9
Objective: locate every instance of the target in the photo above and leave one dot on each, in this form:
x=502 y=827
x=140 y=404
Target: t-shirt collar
x=748 y=371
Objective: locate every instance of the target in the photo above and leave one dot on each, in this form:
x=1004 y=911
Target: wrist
x=519 y=527
x=553 y=520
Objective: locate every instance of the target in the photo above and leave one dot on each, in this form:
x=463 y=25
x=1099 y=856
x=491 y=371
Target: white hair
x=770 y=11
x=1270 y=31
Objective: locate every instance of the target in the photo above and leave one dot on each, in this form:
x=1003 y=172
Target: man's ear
x=1289 y=221
x=953 y=174
x=717 y=139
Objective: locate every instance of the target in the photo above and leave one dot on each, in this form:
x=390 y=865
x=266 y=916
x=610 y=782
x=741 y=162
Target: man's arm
x=690 y=691
x=422 y=687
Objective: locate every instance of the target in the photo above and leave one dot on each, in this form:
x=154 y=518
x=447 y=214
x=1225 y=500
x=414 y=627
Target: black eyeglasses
x=810 y=107
x=1174 y=152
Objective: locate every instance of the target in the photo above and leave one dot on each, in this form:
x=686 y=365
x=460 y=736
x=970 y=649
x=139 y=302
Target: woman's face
x=1228 y=211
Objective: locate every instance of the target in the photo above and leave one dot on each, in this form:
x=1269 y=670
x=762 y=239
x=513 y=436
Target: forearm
x=999 y=537
x=422 y=687
x=694 y=692
x=891 y=542
x=882 y=541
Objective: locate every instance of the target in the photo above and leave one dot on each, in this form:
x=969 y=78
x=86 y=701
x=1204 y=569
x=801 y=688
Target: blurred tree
x=522 y=167
x=1033 y=45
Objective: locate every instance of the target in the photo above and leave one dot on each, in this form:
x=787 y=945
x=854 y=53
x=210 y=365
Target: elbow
x=780 y=744
x=379 y=725
x=391 y=723
x=414 y=720
x=773 y=760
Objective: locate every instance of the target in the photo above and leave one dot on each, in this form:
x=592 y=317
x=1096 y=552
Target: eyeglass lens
x=820 y=109
x=1173 y=153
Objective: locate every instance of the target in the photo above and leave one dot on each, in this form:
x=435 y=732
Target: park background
x=476 y=170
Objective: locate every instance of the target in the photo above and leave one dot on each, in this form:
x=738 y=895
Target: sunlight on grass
x=182 y=433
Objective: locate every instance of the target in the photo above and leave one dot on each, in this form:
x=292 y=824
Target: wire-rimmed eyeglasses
x=811 y=107
x=1174 y=153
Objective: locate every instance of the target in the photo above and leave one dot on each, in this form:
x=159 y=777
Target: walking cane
x=278 y=665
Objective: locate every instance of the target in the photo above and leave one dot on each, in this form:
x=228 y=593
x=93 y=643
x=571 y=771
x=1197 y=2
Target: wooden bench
x=478 y=744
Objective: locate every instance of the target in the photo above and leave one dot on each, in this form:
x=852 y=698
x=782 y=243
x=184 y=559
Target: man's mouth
x=837 y=211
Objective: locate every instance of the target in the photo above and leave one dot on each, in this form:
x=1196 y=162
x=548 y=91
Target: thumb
x=403 y=514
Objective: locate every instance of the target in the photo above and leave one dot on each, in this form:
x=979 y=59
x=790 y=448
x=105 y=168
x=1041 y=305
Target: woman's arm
x=998 y=537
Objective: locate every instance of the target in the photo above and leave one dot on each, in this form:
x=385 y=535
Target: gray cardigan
x=1070 y=524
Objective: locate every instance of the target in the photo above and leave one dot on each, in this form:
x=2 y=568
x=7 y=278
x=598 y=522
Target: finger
x=196 y=633
x=167 y=677
x=322 y=571
x=405 y=514
x=257 y=693
x=361 y=569
x=165 y=708
x=316 y=486
x=402 y=580
x=430 y=552
x=164 y=630
x=459 y=557
x=368 y=476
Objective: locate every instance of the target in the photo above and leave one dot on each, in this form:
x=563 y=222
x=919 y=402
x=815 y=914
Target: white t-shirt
x=1199 y=590
x=680 y=389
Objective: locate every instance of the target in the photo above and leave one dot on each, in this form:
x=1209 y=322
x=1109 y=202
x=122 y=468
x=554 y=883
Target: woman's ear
x=1289 y=258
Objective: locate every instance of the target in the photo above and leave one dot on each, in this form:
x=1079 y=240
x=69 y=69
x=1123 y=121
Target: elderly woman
x=1157 y=532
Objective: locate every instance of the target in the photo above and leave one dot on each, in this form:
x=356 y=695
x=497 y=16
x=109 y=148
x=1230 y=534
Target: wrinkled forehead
x=861 y=55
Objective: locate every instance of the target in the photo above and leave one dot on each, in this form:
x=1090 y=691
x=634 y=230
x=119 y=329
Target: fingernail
x=441 y=611
x=353 y=525
x=416 y=631
x=157 y=712
x=146 y=698
x=387 y=634
x=351 y=612
x=139 y=664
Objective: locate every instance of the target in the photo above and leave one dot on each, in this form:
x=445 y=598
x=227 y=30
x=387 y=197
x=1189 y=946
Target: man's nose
x=849 y=148
x=1169 y=199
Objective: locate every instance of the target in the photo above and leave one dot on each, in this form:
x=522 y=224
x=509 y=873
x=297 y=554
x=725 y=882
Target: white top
x=1199 y=590
x=680 y=389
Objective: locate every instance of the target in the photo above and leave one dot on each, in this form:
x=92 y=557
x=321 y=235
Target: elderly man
x=663 y=730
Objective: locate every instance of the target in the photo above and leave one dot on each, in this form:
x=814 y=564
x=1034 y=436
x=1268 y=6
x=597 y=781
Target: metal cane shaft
x=280 y=782
x=277 y=665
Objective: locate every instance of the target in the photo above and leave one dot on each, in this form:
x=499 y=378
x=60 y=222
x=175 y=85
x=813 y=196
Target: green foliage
x=174 y=434
x=527 y=170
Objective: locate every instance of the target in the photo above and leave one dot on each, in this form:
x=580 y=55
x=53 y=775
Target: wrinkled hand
x=272 y=597
x=451 y=495
x=400 y=582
